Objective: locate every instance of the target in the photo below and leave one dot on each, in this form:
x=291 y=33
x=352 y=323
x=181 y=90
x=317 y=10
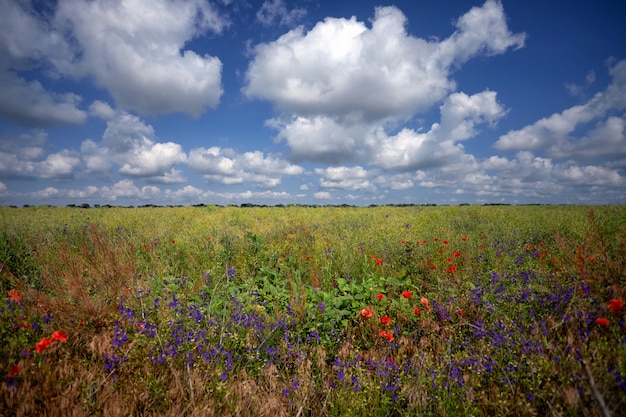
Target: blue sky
x=312 y=102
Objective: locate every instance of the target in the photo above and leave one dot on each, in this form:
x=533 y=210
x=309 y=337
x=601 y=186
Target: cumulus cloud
x=345 y=178
x=24 y=156
x=135 y=50
x=555 y=134
x=322 y=195
x=342 y=68
x=25 y=41
x=29 y=104
x=324 y=139
x=343 y=87
x=275 y=11
x=226 y=166
x=130 y=143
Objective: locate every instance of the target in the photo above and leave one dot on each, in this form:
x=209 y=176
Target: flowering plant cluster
x=308 y=314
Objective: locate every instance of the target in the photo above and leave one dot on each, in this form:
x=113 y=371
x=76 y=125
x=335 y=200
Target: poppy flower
x=424 y=300
x=13 y=371
x=60 y=336
x=42 y=345
x=366 y=312
x=15 y=295
x=387 y=335
x=407 y=294
x=616 y=305
x=385 y=320
x=380 y=296
x=379 y=261
x=416 y=310
x=602 y=322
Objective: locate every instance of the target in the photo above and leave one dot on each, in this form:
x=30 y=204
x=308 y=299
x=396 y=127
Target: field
x=326 y=311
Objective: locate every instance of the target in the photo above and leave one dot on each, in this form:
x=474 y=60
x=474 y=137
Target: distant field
x=471 y=310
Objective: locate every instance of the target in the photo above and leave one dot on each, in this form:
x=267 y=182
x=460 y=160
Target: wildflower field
x=313 y=311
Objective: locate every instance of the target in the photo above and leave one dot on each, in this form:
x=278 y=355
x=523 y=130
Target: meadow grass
x=328 y=311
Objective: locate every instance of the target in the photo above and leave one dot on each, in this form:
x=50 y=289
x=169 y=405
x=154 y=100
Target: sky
x=184 y=102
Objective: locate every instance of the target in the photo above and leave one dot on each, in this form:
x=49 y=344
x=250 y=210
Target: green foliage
x=319 y=311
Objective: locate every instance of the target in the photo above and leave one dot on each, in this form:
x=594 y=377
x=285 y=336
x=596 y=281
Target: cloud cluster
x=342 y=85
x=350 y=98
x=554 y=135
x=226 y=166
x=134 y=50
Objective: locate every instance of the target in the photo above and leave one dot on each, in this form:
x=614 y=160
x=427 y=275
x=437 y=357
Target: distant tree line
x=250 y=205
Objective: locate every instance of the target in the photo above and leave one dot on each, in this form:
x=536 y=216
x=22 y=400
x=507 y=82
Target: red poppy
x=13 y=371
x=424 y=300
x=407 y=294
x=385 y=320
x=366 y=312
x=379 y=261
x=602 y=322
x=616 y=305
x=464 y=239
x=416 y=310
x=60 y=336
x=380 y=296
x=15 y=295
x=387 y=335
x=461 y=311
x=42 y=345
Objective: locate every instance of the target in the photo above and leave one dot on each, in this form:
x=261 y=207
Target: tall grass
x=313 y=311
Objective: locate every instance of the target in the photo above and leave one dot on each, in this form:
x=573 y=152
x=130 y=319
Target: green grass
x=260 y=311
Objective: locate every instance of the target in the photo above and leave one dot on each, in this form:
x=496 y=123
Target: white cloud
x=590 y=176
x=322 y=195
x=133 y=49
x=59 y=165
x=398 y=181
x=323 y=139
x=30 y=104
x=532 y=176
x=229 y=167
x=460 y=116
x=25 y=156
x=345 y=178
x=101 y=110
x=129 y=142
x=342 y=68
x=275 y=11
x=96 y=158
x=149 y=159
x=554 y=133
x=461 y=113
x=327 y=140
x=27 y=38
x=342 y=86
x=126 y=189
x=136 y=51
